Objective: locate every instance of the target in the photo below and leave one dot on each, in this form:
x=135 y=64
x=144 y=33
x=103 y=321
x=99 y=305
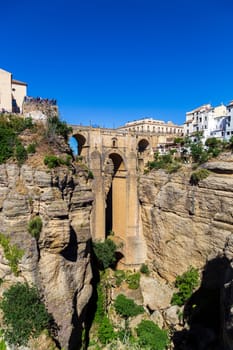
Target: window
x=114 y=142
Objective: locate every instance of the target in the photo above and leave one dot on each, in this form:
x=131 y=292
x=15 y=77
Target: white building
x=12 y=93
x=210 y=121
x=151 y=125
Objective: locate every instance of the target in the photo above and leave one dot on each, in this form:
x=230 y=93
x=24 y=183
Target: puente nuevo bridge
x=116 y=158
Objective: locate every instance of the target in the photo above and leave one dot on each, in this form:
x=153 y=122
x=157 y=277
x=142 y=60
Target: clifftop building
x=12 y=93
x=153 y=126
x=211 y=121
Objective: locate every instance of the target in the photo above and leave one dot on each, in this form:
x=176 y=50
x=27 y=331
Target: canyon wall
x=58 y=263
x=186 y=225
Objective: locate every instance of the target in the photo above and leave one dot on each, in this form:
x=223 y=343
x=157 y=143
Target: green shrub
x=7 y=142
x=105 y=331
x=52 y=161
x=186 y=284
x=165 y=162
x=10 y=127
x=173 y=167
x=144 y=269
x=151 y=336
x=24 y=315
x=11 y=252
x=133 y=280
x=100 y=309
x=31 y=149
x=120 y=276
x=90 y=174
x=2 y=345
x=20 y=153
x=199 y=175
x=198 y=153
x=212 y=142
x=35 y=227
x=126 y=307
x=105 y=253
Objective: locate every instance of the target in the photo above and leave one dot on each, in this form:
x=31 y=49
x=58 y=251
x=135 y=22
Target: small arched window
x=114 y=142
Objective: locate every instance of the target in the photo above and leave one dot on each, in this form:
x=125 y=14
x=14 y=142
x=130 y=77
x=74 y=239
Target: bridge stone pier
x=116 y=159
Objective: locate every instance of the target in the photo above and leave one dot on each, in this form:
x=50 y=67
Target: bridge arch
x=82 y=142
x=144 y=152
x=143 y=145
x=118 y=158
x=116 y=196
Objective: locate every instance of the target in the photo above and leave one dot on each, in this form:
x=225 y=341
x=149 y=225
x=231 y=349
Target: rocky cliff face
x=187 y=225
x=59 y=262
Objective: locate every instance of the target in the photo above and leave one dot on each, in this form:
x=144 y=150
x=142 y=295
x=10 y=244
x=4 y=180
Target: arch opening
x=73 y=145
x=81 y=141
x=115 y=210
x=143 y=145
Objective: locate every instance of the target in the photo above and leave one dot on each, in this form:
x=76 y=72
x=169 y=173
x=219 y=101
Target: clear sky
x=112 y=61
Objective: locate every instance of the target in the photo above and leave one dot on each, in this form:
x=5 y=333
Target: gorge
x=182 y=225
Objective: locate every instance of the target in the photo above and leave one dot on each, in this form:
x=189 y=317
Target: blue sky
x=112 y=61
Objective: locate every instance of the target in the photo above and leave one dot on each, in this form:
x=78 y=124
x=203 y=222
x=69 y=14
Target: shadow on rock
x=205 y=311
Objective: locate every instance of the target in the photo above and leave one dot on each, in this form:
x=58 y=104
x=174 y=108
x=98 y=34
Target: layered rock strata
x=186 y=225
x=58 y=263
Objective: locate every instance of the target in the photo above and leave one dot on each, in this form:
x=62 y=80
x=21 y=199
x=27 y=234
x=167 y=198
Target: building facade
x=149 y=125
x=12 y=93
x=210 y=121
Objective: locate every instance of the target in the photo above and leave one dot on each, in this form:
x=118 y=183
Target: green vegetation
x=120 y=276
x=146 y=336
x=55 y=126
x=105 y=331
x=10 y=146
x=90 y=174
x=151 y=336
x=105 y=253
x=35 y=227
x=31 y=148
x=126 y=307
x=132 y=279
x=20 y=153
x=2 y=345
x=11 y=252
x=165 y=162
x=24 y=315
x=53 y=161
x=186 y=284
x=199 y=155
x=202 y=153
x=100 y=306
x=199 y=175
x=215 y=146
x=144 y=269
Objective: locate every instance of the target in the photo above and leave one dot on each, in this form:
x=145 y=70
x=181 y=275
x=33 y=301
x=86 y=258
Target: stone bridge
x=116 y=158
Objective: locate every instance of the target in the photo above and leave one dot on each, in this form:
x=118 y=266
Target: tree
x=151 y=336
x=24 y=315
x=185 y=283
x=126 y=307
x=105 y=253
